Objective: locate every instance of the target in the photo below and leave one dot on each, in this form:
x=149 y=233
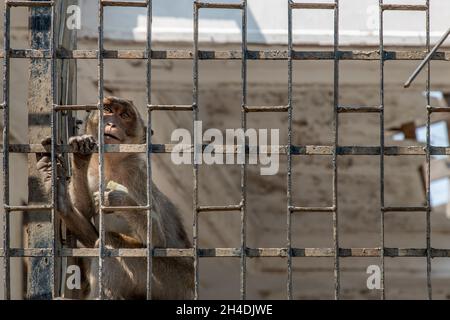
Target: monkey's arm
x=74 y=220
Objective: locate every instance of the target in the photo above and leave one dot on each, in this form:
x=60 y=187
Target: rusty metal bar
x=382 y=149
x=405 y=209
x=219 y=208
x=212 y=5
x=428 y=156
x=87 y=107
x=136 y=4
x=232 y=252
x=101 y=150
x=322 y=6
x=437 y=109
x=337 y=284
x=289 y=159
x=358 y=109
x=243 y=275
x=16 y=3
x=266 y=108
x=6 y=196
x=28 y=208
x=312 y=209
x=195 y=154
x=166 y=107
x=429 y=57
x=149 y=239
x=403 y=7
x=351 y=55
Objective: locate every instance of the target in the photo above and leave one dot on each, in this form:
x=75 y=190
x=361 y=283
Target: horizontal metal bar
x=296 y=150
x=76 y=107
x=167 y=107
x=300 y=5
x=405 y=209
x=15 y=3
x=404 y=7
x=212 y=5
x=219 y=208
x=438 y=109
x=109 y=3
x=125 y=208
x=266 y=108
x=370 y=55
x=28 y=208
x=312 y=209
x=358 y=109
x=229 y=252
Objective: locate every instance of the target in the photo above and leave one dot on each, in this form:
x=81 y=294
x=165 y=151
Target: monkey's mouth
x=110 y=136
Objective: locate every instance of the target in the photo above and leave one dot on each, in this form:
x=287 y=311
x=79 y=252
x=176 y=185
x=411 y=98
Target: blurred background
x=219 y=103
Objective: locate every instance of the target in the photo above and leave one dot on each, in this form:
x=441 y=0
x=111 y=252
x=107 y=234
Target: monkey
x=78 y=206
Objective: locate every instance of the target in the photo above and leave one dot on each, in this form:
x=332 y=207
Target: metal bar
x=125 y=208
x=426 y=60
x=404 y=209
x=219 y=208
x=351 y=55
x=403 y=7
x=438 y=109
x=136 y=4
x=232 y=252
x=428 y=157
x=28 y=208
x=382 y=149
x=337 y=284
x=195 y=112
x=101 y=149
x=289 y=160
x=323 y=6
x=358 y=109
x=6 y=199
x=14 y=3
x=244 y=165
x=211 y=5
x=149 y=240
x=87 y=107
x=266 y=108
x=53 y=156
x=165 y=107
x=312 y=209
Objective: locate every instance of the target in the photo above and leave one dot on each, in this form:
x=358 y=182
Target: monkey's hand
x=44 y=165
x=83 y=147
x=114 y=198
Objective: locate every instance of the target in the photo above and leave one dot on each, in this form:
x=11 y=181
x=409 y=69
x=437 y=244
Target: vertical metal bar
x=195 y=164
x=149 y=152
x=383 y=296
x=244 y=166
x=6 y=78
x=336 y=142
x=289 y=159
x=53 y=126
x=428 y=158
x=101 y=149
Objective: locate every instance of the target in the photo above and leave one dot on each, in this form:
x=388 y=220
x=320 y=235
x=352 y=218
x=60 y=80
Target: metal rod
x=6 y=227
x=428 y=57
x=244 y=165
x=289 y=159
x=149 y=239
x=337 y=284
x=382 y=149
x=101 y=147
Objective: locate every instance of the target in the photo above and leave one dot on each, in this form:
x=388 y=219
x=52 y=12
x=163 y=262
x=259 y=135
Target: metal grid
x=290 y=150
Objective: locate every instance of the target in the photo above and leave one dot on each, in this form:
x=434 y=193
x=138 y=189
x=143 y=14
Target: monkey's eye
x=107 y=110
x=124 y=115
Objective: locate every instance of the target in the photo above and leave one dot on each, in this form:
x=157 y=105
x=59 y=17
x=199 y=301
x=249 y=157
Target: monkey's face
x=122 y=122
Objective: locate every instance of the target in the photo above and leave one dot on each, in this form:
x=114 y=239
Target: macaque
x=125 y=183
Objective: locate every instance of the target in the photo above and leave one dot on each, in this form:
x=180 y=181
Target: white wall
x=267 y=22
